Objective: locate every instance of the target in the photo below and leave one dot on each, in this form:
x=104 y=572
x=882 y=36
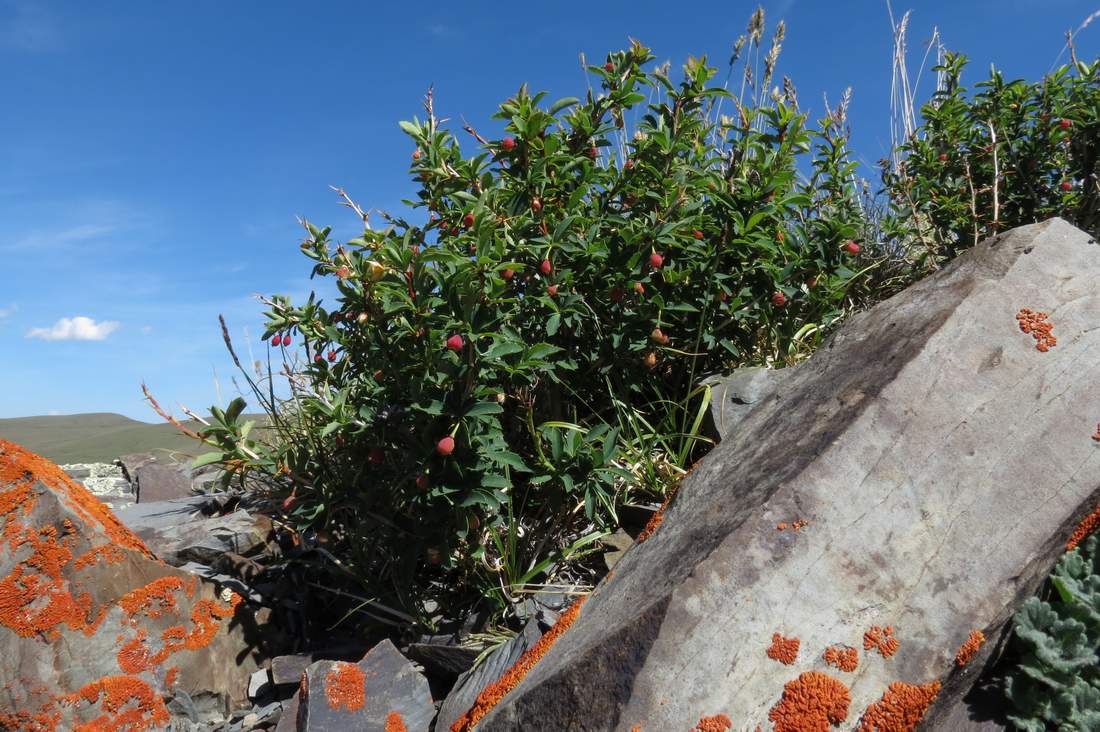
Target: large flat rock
x=94 y=630
x=940 y=461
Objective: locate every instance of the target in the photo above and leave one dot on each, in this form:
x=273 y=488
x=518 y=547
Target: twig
x=973 y=201
x=172 y=420
x=466 y=126
x=996 y=176
x=365 y=215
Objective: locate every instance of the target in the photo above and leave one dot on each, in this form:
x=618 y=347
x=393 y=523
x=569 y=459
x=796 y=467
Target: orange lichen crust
x=130 y=705
x=717 y=723
x=154 y=599
x=784 y=650
x=491 y=695
x=1036 y=324
x=1084 y=529
x=796 y=525
x=882 y=640
x=656 y=519
x=811 y=703
x=345 y=686
x=901 y=708
x=394 y=723
x=970 y=648
x=844 y=658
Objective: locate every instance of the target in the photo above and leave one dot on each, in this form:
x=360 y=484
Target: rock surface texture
x=838 y=560
x=95 y=632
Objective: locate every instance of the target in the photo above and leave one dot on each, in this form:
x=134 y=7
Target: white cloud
x=79 y=328
x=5 y=312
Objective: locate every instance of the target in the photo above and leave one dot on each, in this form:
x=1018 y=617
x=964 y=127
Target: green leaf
x=483 y=408
x=563 y=103
x=552 y=324
x=207 y=458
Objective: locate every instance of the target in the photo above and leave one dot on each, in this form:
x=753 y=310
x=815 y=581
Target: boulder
x=382 y=693
x=735 y=395
x=93 y=628
x=180 y=530
x=849 y=555
x=157 y=482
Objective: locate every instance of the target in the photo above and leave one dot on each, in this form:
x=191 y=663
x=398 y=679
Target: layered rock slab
x=906 y=487
x=95 y=631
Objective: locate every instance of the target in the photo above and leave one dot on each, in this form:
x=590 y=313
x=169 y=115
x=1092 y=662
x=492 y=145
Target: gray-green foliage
x=1057 y=682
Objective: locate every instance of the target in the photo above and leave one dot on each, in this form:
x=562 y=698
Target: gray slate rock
x=470 y=684
x=288 y=722
x=390 y=685
x=442 y=659
x=735 y=395
x=178 y=531
x=942 y=462
x=157 y=482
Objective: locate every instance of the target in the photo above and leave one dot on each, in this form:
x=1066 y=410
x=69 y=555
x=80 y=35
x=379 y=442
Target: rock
x=157 y=482
x=443 y=659
x=259 y=684
x=178 y=531
x=288 y=722
x=734 y=396
x=338 y=695
x=941 y=461
x=470 y=684
x=105 y=481
x=89 y=619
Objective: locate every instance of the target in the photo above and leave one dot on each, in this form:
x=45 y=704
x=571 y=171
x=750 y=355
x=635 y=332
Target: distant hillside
x=85 y=438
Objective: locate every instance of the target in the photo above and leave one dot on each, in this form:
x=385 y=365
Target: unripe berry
x=779 y=299
x=811 y=283
x=455 y=343
x=507 y=144
x=650 y=360
x=851 y=247
x=545 y=267
x=416 y=154
x=656 y=260
x=343 y=272
x=445 y=446
x=658 y=337
x=639 y=288
x=552 y=290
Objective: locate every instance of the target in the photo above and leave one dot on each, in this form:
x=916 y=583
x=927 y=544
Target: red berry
x=445 y=446
x=609 y=67
x=658 y=337
x=343 y=272
x=377 y=375
x=629 y=165
x=415 y=249
x=276 y=340
x=656 y=260
x=593 y=152
x=943 y=157
x=697 y=234
x=779 y=299
x=507 y=274
x=332 y=355
x=536 y=204
x=422 y=482
x=780 y=237
x=289 y=502
x=650 y=360
x=416 y=154
x=377 y=457
x=639 y=288
x=851 y=247
x=1067 y=186
x=552 y=290
x=286 y=340
x=1065 y=123
x=468 y=220
x=616 y=294
x=546 y=268
x=507 y=144
x=455 y=343
x=317 y=358
x=811 y=283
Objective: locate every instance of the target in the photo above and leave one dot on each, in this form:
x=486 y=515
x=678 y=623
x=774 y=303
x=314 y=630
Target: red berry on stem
x=779 y=299
x=658 y=337
x=416 y=154
x=455 y=343
x=593 y=152
x=536 y=204
x=552 y=290
x=656 y=260
x=317 y=358
x=422 y=482
x=545 y=267
x=332 y=355
x=507 y=274
x=851 y=247
x=639 y=288
x=468 y=220
x=445 y=446
x=629 y=165
x=943 y=157
x=811 y=283
x=1067 y=186
x=609 y=67
x=286 y=340
x=697 y=234
x=1065 y=123
x=276 y=340
x=507 y=144
x=377 y=457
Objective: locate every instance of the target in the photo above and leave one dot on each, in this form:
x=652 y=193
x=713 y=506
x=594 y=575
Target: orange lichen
x=901 y=708
x=493 y=693
x=811 y=703
x=130 y=705
x=784 y=650
x=133 y=658
x=797 y=525
x=844 y=658
x=882 y=640
x=1084 y=529
x=394 y=723
x=106 y=554
x=969 y=648
x=658 y=518
x=171 y=676
x=154 y=599
x=344 y=686
x=717 y=723
x=1040 y=329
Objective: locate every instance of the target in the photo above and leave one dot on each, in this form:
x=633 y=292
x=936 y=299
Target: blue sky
x=153 y=156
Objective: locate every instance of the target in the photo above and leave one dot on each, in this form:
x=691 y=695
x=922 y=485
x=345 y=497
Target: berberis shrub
x=492 y=384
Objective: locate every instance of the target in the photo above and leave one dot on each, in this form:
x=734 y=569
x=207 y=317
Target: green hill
x=83 y=438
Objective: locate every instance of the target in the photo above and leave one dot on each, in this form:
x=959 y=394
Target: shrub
x=492 y=384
